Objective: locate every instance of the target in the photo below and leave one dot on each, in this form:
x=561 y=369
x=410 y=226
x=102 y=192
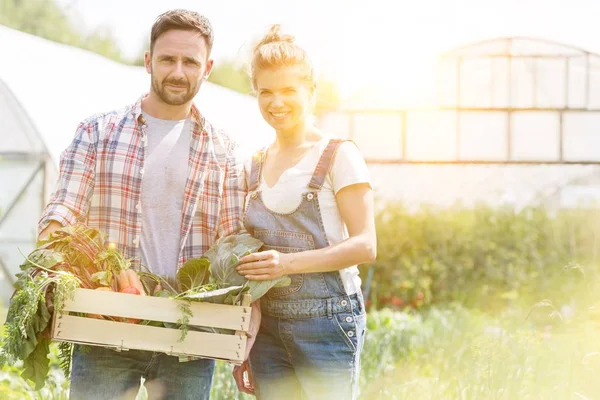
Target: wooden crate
x=125 y=336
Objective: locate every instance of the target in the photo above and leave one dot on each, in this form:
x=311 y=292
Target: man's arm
x=70 y=201
x=234 y=195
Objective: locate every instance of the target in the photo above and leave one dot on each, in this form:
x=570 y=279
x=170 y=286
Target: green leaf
x=101 y=278
x=193 y=274
x=257 y=289
x=225 y=255
x=214 y=296
x=37 y=365
x=42 y=257
x=164 y=293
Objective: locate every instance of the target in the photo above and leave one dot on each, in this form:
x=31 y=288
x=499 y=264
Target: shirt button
x=310 y=196
x=142 y=171
x=344 y=303
x=351 y=333
x=349 y=319
x=254 y=195
x=138 y=206
x=136 y=242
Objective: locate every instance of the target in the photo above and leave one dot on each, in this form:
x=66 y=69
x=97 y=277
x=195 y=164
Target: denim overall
x=312 y=332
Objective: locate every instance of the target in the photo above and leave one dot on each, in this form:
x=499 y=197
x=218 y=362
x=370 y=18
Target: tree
x=45 y=18
x=232 y=75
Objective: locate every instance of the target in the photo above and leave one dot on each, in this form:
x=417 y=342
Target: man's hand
x=243 y=378
x=52 y=226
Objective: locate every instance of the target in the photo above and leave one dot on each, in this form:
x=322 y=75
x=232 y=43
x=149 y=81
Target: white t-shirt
x=348 y=168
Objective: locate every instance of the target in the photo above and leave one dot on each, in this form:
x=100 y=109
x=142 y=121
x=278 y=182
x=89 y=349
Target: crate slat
x=158 y=309
x=140 y=337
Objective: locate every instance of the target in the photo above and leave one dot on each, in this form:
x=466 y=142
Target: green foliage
x=443 y=353
x=193 y=274
x=184 y=321
x=231 y=75
x=45 y=18
x=482 y=257
x=37 y=364
x=225 y=256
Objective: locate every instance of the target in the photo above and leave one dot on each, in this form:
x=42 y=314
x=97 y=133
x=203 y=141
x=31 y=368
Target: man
x=163 y=184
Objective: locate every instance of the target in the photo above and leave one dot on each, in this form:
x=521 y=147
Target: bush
x=481 y=257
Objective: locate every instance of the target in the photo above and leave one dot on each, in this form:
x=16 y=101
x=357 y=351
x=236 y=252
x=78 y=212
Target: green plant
x=481 y=257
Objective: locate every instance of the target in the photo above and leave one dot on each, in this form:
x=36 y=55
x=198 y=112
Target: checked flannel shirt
x=100 y=183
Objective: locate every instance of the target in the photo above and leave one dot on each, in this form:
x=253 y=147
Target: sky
x=391 y=43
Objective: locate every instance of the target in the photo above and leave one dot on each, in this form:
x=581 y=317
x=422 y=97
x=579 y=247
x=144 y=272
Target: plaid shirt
x=100 y=183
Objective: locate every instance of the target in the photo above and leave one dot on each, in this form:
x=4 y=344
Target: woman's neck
x=296 y=137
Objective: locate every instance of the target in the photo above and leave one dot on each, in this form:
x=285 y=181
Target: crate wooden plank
x=141 y=337
x=158 y=309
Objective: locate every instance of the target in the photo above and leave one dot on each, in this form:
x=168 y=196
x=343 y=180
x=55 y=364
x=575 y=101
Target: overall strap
x=324 y=164
x=256 y=169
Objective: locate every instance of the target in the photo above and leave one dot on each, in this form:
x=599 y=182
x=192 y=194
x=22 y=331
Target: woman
x=311 y=203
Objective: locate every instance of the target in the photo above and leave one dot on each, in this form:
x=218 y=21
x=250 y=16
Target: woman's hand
x=264 y=265
x=243 y=378
x=242 y=373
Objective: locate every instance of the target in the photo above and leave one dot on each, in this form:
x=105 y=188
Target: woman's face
x=284 y=97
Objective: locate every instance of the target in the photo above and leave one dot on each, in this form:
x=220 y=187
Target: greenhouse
x=512 y=120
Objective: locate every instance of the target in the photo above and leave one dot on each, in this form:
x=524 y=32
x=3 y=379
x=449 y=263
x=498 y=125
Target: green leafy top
x=193 y=274
x=225 y=255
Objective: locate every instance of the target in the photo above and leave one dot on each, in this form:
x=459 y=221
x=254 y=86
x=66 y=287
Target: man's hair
x=184 y=20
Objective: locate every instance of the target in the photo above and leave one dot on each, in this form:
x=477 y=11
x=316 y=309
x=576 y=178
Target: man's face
x=177 y=65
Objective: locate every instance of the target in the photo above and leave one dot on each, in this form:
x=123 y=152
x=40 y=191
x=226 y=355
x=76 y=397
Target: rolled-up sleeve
x=70 y=201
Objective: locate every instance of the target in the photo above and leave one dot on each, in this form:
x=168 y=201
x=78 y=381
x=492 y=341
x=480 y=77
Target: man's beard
x=174 y=99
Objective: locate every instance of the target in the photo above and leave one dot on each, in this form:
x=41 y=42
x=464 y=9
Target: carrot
x=130 y=290
x=134 y=281
x=102 y=289
x=123 y=280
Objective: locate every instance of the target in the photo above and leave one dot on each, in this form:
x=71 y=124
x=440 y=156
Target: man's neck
x=158 y=109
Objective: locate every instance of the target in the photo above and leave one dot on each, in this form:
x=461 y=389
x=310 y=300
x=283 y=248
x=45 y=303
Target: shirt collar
x=139 y=117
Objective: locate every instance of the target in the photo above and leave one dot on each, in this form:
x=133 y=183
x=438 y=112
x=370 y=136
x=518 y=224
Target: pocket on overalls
x=285 y=242
x=351 y=328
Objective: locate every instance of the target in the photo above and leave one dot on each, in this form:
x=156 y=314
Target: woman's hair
x=278 y=50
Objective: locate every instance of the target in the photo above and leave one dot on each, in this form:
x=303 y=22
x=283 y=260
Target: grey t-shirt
x=163 y=187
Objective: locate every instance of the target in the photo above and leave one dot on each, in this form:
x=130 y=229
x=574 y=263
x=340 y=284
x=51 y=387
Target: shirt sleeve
x=232 y=203
x=349 y=167
x=70 y=201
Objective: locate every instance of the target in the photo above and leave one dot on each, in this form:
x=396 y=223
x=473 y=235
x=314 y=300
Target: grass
x=520 y=350
x=449 y=352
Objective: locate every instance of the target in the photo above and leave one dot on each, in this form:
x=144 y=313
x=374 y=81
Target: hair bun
x=274 y=35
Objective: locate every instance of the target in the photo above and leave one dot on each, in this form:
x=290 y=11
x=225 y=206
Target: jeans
x=308 y=358
x=101 y=373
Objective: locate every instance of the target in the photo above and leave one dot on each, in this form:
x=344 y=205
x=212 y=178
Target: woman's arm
x=355 y=203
